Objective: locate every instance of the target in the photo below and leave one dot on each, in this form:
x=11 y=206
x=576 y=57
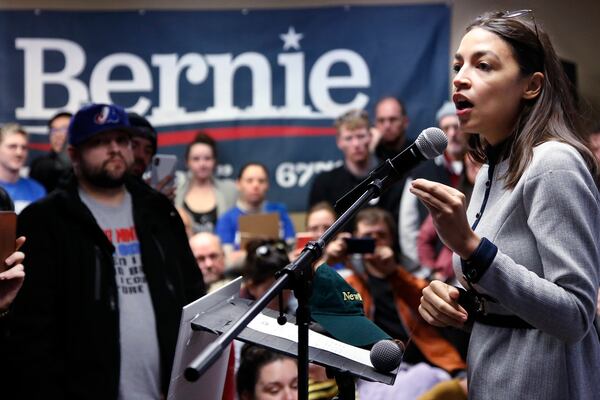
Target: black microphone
x=386 y=355
x=429 y=144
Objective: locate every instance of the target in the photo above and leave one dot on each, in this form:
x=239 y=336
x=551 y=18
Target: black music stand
x=208 y=317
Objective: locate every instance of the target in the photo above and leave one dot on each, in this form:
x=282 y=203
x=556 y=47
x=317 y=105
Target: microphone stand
x=345 y=383
x=297 y=276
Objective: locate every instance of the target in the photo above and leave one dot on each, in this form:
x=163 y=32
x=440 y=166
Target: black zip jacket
x=64 y=325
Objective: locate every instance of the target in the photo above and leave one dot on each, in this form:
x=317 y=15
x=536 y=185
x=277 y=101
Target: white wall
x=572 y=25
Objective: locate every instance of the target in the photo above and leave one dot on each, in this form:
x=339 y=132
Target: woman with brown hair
x=265 y=375
x=200 y=197
x=527 y=248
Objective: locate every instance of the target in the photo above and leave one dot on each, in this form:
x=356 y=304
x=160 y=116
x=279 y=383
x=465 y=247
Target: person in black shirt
x=389 y=133
x=353 y=139
x=49 y=169
x=144 y=143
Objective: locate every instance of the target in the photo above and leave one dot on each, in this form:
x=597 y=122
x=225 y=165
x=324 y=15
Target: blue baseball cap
x=97 y=118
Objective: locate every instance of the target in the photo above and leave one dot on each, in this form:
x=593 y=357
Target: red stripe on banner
x=39 y=146
x=244 y=132
x=230 y=133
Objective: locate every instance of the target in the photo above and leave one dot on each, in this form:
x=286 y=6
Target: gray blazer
x=547 y=230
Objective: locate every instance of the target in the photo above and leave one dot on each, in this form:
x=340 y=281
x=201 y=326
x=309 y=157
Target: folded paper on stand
x=265 y=324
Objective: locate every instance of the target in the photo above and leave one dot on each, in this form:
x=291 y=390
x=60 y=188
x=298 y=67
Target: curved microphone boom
x=429 y=144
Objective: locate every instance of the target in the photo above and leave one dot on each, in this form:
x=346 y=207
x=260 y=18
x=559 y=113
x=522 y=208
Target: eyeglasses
x=528 y=15
x=61 y=129
x=523 y=14
x=267 y=249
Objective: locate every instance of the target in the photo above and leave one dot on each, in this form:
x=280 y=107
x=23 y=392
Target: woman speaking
x=527 y=248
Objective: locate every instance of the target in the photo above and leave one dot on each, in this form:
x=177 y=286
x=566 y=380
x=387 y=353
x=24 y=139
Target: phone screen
x=360 y=245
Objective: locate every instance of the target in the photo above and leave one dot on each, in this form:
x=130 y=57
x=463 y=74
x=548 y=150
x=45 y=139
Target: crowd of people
x=484 y=260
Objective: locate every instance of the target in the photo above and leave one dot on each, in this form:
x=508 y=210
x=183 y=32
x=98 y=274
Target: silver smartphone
x=163 y=165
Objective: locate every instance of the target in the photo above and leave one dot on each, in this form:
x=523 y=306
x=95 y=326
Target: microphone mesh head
x=386 y=355
x=432 y=142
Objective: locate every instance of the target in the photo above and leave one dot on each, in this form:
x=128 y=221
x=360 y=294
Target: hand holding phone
x=11 y=280
x=163 y=167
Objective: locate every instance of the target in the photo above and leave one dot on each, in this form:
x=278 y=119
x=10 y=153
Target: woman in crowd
x=319 y=218
x=265 y=375
x=252 y=185
x=527 y=247
x=200 y=197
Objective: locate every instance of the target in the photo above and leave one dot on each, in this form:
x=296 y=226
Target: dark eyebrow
x=477 y=54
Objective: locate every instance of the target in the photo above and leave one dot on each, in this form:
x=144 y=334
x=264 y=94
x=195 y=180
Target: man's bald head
x=209 y=256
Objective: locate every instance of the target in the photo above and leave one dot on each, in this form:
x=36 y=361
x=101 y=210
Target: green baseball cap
x=338 y=308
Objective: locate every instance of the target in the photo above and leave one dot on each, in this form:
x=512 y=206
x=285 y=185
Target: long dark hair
x=553 y=114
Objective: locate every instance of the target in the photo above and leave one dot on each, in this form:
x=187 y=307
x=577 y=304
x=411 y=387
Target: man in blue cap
x=109 y=270
x=51 y=168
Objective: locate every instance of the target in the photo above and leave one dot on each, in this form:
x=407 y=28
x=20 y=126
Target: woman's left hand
x=440 y=307
x=447 y=207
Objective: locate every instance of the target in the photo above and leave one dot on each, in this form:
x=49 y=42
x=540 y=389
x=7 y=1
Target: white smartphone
x=163 y=165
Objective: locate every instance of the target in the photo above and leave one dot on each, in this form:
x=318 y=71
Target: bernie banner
x=266 y=84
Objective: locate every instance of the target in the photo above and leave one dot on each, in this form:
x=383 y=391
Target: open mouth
x=463 y=104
